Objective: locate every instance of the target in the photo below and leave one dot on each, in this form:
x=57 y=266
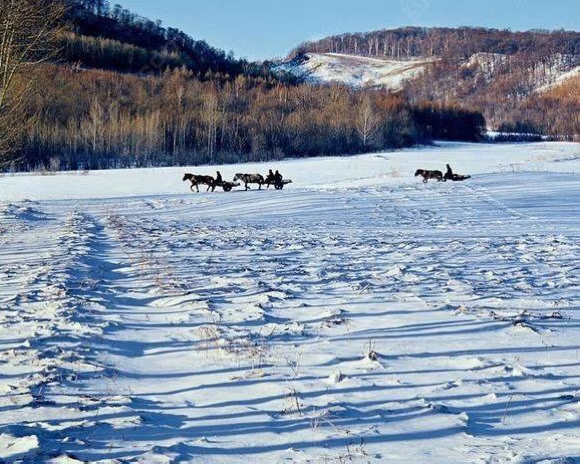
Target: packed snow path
x=365 y=319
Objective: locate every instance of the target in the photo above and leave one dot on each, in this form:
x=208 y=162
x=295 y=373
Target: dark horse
x=429 y=175
x=197 y=180
x=250 y=179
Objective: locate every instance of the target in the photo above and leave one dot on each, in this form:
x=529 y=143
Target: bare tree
x=211 y=115
x=28 y=29
x=368 y=124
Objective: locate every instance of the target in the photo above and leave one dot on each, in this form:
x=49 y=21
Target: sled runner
x=279 y=185
x=227 y=186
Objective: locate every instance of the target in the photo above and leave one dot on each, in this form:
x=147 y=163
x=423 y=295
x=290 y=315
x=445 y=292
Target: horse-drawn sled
x=211 y=183
x=271 y=179
x=276 y=180
x=439 y=176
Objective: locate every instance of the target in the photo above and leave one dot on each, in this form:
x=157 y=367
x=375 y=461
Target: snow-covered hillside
x=356 y=71
x=358 y=315
x=543 y=76
x=562 y=78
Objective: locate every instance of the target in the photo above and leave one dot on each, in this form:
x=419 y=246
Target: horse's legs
x=425 y=180
x=247 y=186
x=260 y=186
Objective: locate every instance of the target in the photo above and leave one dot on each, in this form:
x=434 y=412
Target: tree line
x=94 y=119
x=458 y=43
x=114 y=38
x=197 y=106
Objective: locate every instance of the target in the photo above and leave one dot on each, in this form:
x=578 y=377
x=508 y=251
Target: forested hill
x=520 y=81
x=460 y=43
x=117 y=39
x=126 y=91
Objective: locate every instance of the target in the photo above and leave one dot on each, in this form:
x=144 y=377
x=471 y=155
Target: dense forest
x=101 y=119
x=125 y=91
x=497 y=72
x=114 y=38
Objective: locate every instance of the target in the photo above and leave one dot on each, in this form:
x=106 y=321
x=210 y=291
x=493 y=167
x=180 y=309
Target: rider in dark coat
x=270 y=178
x=449 y=174
x=218 y=180
x=277 y=177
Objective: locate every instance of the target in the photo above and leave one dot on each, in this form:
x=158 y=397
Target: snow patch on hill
x=486 y=62
x=543 y=76
x=359 y=71
x=573 y=74
x=356 y=71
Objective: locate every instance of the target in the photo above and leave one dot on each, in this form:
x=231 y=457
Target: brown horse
x=429 y=175
x=197 y=180
x=250 y=179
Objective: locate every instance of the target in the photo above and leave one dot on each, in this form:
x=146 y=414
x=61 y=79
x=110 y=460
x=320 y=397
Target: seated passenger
x=449 y=174
x=270 y=178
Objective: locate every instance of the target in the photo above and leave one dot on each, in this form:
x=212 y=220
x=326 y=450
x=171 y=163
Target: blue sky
x=259 y=29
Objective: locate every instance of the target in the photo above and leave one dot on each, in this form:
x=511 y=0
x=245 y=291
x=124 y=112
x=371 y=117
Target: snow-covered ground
x=564 y=77
x=357 y=71
x=358 y=315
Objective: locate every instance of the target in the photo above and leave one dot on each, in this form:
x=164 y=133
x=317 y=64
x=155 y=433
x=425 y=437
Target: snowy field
x=356 y=316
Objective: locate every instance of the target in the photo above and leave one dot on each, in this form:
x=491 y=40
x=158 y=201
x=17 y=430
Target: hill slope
x=495 y=72
x=117 y=39
x=356 y=71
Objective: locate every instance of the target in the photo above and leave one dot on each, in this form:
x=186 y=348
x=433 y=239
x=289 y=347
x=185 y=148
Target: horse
x=250 y=179
x=429 y=175
x=197 y=180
